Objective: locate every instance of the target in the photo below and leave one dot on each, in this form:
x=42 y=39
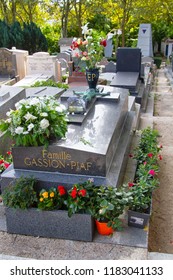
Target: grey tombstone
x=109 y=48
x=65 y=43
x=8 y=69
x=145 y=39
x=110 y=67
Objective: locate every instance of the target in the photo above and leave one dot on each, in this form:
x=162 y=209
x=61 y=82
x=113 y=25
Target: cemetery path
x=161 y=225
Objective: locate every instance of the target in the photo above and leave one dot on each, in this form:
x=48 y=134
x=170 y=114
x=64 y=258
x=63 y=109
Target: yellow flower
x=52 y=194
x=45 y=194
x=41 y=199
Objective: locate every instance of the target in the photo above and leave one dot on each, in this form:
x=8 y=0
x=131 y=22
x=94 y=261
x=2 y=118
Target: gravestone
x=65 y=55
x=109 y=48
x=110 y=67
x=8 y=69
x=8 y=97
x=145 y=39
x=128 y=60
x=21 y=58
x=65 y=43
x=95 y=146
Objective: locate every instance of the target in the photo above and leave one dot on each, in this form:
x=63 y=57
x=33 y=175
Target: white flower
x=44 y=123
x=19 y=130
x=19 y=104
x=25 y=132
x=8 y=114
x=29 y=116
x=8 y=120
x=61 y=108
x=44 y=114
x=85 y=28
x=34 y=101
x=30 y=126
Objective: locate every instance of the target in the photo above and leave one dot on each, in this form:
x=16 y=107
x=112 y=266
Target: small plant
x=20 y=194
x=5 y=161
x=50 y=83
x=52 y=199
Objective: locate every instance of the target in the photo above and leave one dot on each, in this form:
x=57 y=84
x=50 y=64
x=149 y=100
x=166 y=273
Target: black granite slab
x=128 y=60
x=88 y=148
x=127 y=80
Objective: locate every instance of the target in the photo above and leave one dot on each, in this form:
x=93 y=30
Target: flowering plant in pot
x=107 y=204
x=52 y=199
x=35 y=121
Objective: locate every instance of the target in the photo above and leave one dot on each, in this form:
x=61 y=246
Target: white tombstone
x=145 y=39
x=42 y=63
x=21 y=57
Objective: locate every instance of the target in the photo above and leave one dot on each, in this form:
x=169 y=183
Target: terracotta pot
x=103 y=229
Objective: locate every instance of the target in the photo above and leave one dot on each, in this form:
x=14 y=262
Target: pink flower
x=145 y=162
x=152 y=172
x=160 y=157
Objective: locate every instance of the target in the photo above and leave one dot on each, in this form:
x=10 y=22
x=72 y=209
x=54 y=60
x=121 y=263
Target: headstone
x=21 y=58
x=109 y=48
x=7 y=65
x=145 y=39
x=43 y=91
x=64 y=65
x=30 y=80
x=65 y=44
x=110 y=67
x=128 y=60
x=41 y=63
x=65 y=55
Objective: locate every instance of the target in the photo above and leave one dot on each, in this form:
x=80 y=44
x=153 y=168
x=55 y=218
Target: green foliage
x=158 y=61
x=52 y=199
x=50 y=83
x=20 y=194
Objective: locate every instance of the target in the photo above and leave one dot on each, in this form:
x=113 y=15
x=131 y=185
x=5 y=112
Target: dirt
x=161 y=224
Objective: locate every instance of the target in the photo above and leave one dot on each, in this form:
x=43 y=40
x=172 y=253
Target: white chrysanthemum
x=44 y=114
x=29 y=116
x=30 y=126
x=19 y=130
x=44 y=123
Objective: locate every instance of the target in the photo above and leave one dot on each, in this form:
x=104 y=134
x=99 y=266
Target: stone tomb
x=8 y=97
x=96 y=147
x=8 y=72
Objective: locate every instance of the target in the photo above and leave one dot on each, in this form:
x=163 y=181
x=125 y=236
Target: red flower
x=152 y=172
x=160 y=157
x=9 y=153
x=61 y=190
x=74 y=192
x=103 y=43
x=130 y=184
x=82 y=192
x=150 y=155
x=1 y=161
x=6 y=164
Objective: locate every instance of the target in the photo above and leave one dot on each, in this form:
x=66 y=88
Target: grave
x=65 y=44
x=145 y=39
x=91 y=147
x=8 y=69
x=128 y=73
x=8 y=97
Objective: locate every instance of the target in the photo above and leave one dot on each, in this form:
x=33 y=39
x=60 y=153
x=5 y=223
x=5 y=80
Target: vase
x=103 y=228
x=92 y=76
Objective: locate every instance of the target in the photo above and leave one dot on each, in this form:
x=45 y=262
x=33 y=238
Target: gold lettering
x=27 y=161
x=93 y=76
x=33 y=162
x=73 y=164
x=89 y=164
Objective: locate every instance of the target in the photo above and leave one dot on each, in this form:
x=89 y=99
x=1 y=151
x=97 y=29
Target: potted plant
x=35 y=121
x=106 y=206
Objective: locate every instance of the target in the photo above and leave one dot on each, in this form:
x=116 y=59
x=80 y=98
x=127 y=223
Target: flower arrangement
x=52 y=199
x=90 y=48
x=35 y=121
x=147 y=155
x=5 y=161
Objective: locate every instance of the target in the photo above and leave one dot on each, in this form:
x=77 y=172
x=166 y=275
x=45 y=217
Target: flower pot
x=50 y=224
x=137 y=219
x=103 y=229
x=92 y=76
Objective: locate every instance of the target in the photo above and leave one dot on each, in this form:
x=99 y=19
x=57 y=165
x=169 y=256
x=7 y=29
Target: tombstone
x=128 y=60
x=21 y=58
x=8 y=70
x=65 y=55
x=110 y=67
x=109 y=48
x=96 y=144
x=43 y=91
x=145 y=39
x=8 y=97
x=42 y=63
x=65 y=44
